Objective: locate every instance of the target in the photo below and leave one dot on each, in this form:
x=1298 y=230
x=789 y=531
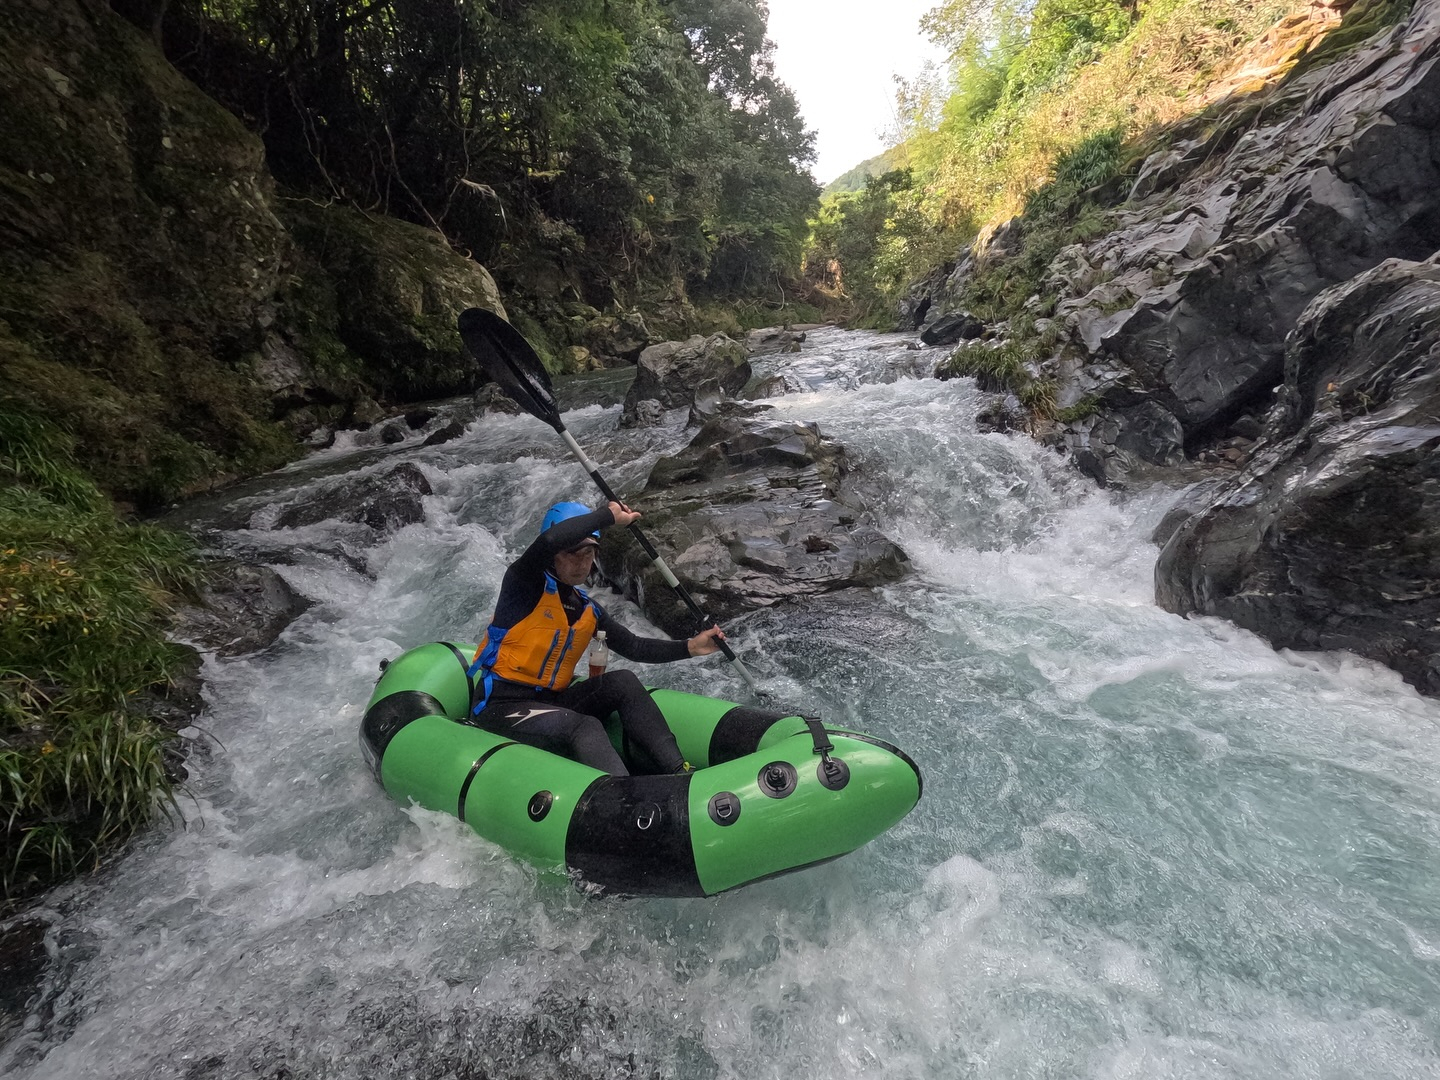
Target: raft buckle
x=823 y=745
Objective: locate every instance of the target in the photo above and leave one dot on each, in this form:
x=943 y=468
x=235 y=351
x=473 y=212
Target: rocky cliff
x=162 y=300
x=1260 y=303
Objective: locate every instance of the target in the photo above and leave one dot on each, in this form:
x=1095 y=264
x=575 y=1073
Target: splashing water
x=1148 y=847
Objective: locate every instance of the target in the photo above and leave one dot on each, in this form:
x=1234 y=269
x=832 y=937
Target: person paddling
x=542 y=625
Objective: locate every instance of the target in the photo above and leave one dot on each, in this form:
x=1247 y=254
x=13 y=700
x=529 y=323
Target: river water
x=1148 y=847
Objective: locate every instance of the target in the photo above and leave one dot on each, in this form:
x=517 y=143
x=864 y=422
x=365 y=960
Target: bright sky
x=838 y=56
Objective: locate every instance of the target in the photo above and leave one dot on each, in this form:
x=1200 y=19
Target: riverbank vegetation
x=1045 y=109
x=82 y=635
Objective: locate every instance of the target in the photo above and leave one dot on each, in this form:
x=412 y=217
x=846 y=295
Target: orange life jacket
x=542 y=649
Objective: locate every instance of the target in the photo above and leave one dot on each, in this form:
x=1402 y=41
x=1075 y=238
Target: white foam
x=1148 y=846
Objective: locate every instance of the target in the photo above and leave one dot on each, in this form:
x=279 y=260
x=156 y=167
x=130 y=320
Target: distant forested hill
x=854 y=179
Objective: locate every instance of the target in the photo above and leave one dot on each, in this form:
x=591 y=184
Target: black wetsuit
x=564 y=721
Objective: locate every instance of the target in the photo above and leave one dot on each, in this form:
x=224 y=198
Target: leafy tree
x=875 y=237
x=625 y=141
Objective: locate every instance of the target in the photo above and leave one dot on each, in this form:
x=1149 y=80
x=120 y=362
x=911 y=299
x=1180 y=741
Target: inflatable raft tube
x=761 y=802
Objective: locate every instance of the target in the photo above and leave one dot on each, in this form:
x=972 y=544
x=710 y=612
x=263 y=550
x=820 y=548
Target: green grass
x=1008 y=366
x=1086 y=407
x=1363 y=19
x=83 y=600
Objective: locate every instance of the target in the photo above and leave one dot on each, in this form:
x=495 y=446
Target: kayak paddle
x=508 y=359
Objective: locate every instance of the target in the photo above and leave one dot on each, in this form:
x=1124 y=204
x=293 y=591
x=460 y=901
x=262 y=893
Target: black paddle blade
x=509 y=360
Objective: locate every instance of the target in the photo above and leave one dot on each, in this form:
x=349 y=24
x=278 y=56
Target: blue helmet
x=564 y=511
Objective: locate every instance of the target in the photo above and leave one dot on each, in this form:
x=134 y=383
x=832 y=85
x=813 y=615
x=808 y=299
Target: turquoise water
x=1148 y=847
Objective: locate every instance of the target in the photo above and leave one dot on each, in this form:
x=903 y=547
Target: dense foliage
x=591 y=148
x=82 y=639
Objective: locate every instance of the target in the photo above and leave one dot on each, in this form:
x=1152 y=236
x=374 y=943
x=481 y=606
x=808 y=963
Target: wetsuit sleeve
x=643 y=650
x=524 y=580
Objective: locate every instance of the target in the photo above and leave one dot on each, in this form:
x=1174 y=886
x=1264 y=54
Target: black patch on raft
x=739 y=732
x=631 y=834
x=387 y=716
x=725 y=808
x=777 y=779
x=834 y=774
x=540 y=804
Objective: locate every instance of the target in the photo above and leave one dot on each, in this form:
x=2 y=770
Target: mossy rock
x=138 y=249
x=397 y=292
x=157 y=306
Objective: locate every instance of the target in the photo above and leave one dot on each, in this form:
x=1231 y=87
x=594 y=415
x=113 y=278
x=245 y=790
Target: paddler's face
x=573 y=567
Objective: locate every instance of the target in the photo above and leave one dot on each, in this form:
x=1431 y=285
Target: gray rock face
x=1192 y=500
x=1234 y=229
x=951 y=327
x=1127 y=441
x=670 y=374
x=1330 y=537
x=773 y=339
x=242 y=609
x=755 y=511
x=385 y=502
x=399 y=290
x=1184 y=306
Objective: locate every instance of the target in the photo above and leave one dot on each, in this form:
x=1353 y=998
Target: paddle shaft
x=654 y=556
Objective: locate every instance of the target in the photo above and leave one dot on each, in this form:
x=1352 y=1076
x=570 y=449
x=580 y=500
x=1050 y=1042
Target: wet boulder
x=491 y=399
x=1130 y=442
x=615 y=339
x=446 y=433
x=755 y=511
x=241 y=608
x=1191 y=500
x=670 y=373
x=383 y=501
x=1329 y=537
x=773 y=339
x=952 y=327
x=1003 y=415
x=777 y=385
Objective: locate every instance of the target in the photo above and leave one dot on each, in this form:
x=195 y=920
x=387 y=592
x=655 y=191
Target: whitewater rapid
x=1148 y=847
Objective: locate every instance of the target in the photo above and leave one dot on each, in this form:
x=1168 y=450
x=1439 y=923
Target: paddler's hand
x=623 y=514
x=706 y=642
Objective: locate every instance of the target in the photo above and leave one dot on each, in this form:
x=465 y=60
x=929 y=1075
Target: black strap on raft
x=823 y=746
x=833 y=772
